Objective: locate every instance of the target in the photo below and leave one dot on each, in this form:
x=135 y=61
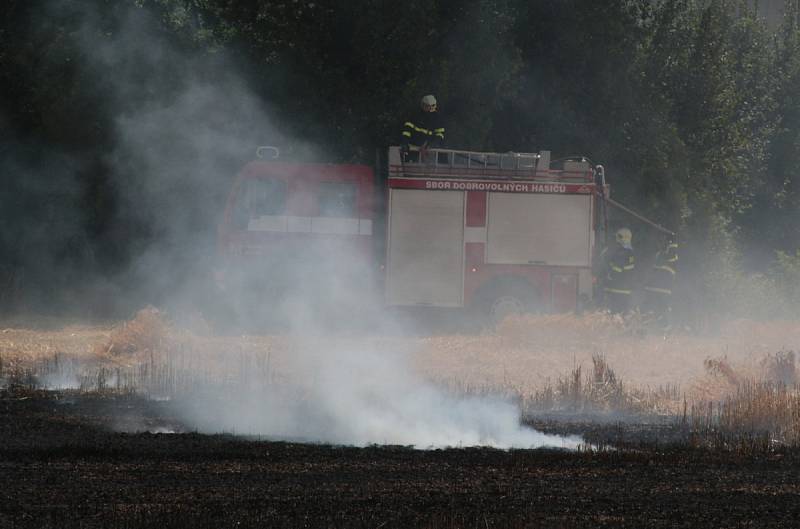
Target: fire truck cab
x=297 y=238
x=503 y=232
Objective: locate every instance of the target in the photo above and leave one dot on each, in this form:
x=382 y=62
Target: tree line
x=692 y=106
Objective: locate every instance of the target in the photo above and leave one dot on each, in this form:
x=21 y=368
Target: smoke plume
x=183 y=123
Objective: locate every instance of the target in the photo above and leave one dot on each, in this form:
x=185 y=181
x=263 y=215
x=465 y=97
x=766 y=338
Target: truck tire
x=506 y=297
x=506 y=305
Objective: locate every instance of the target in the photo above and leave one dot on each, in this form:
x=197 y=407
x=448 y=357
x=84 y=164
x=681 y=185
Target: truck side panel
x=551 y=230
x=425 y=260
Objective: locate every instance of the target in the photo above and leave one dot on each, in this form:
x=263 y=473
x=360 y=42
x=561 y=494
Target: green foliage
x=691 y=105
x=785 y=272
x=724 y=289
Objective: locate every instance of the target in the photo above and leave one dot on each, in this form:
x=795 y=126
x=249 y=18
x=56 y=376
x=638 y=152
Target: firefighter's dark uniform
x=661 y=281
x=618 y=286
x=425 y=129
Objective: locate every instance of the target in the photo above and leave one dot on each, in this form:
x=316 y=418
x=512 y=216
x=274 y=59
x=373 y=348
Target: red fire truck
x=502 y=232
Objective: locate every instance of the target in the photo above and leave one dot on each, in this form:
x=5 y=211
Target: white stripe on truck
x=334 y=225
x=295 y=224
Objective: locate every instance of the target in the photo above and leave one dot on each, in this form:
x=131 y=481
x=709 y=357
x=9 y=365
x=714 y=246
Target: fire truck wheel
x=506 y=306
x=503 y=299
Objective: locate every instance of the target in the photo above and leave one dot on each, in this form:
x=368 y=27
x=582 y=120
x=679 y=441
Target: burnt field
x=147 y=424
x=63 y=465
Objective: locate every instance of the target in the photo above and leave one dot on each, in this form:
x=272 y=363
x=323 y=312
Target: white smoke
x=351 y=396
x=176 y=137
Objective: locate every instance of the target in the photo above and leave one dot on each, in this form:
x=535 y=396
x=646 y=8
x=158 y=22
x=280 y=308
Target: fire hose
x=605 y=199
x=642 y=218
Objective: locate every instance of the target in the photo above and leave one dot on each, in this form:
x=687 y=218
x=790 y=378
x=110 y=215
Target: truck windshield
x=259 y=197
x=337 y=199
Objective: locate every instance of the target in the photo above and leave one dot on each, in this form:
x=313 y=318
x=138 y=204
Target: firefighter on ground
x=423 y=131
x=619 y=266
x=660 y=282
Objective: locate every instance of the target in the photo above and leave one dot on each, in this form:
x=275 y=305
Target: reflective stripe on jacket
x=661 y=278
x=619 y=271
x=424 y=129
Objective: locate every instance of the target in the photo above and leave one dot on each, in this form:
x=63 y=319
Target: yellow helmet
x=624 y=237
x=428 y=103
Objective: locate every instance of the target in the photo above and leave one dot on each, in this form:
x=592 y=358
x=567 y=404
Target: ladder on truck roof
x=474 y=164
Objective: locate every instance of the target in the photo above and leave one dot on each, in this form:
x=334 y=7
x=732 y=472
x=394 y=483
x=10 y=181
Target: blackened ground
x=62 y=465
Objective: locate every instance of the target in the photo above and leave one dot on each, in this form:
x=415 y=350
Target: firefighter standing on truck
x=660 y=282
x=619 y=266
x=423 y=131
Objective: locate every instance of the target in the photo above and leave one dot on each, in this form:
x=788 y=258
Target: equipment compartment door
x=539 y=229
x=425 y=261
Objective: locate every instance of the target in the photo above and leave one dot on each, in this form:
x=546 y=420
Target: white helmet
x=428 y=103
x=624 y=237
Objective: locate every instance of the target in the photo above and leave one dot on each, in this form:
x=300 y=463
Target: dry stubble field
x=524 y=354
x=88 y=458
